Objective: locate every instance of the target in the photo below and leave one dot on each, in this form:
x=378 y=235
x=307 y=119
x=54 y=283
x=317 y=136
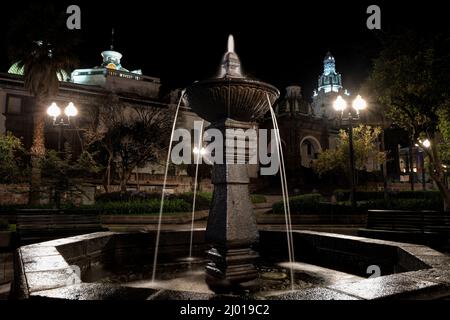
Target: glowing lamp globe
x=340 y=104
x=54 y=111
x=71 y=110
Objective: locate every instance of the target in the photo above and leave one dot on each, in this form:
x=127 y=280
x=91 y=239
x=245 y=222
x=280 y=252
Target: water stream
x=169 y=151
x=199 y=154
x=285 y=192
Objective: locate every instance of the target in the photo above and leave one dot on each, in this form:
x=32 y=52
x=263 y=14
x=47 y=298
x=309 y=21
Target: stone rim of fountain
x=43 y=273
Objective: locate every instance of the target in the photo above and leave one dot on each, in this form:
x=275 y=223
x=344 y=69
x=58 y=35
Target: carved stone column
x=232 y=229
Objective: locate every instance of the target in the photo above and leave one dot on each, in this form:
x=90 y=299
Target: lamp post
x=425 y=144
x=60 y=121
x=340 y=105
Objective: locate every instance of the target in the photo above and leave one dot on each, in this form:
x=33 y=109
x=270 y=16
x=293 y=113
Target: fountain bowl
x=239 y=99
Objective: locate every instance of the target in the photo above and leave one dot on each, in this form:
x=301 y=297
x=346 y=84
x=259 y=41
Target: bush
x=4 y=225
x=344 y=195
x=403 y=204
x=202 y=200
x=151 y=206
x=303 y=203
x=127 y=196
x=258 y=198
x=314 y=204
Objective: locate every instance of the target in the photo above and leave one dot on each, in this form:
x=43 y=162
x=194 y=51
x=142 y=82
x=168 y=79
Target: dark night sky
x=282 y=42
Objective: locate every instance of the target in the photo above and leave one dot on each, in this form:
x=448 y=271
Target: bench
x=420 y=227
x=42 y=225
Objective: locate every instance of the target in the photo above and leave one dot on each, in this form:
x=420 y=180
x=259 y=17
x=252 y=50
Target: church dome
x=293 y=102
x=111 y=60
x=330 y=80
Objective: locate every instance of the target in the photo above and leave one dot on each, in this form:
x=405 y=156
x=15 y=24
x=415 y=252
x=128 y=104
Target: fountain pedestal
x=232 y=229
x=231 y=101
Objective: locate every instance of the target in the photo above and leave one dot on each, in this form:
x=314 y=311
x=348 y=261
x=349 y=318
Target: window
x=14 y=105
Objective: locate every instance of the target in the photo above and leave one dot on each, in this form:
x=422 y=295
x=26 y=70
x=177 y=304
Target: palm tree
x=41 y=45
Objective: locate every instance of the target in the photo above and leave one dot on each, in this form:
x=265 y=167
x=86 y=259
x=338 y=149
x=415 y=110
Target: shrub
x=11 y=158
x=126 y=196
x=344 y=195
x=300 y=206
x=303 y=203
x=403 y=204
x=151 y=206
x=4 y=225
x=202 y=200
x=258 y=198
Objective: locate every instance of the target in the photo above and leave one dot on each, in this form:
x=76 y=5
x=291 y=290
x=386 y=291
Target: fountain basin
x=407 y=271
x=239 y=99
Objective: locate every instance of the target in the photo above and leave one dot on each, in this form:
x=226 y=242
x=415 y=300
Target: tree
x=365 y=145
x=11 y=158
x=410 y=78
x=41 y=46
x=128 y=136
x=63 y=172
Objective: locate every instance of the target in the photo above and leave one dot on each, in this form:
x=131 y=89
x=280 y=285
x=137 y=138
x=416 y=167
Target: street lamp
x=60 y=121
x=425 y=144
x=340 y=105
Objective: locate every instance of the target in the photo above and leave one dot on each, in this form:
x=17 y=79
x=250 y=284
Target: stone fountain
x=231 y=101
x=116 y=265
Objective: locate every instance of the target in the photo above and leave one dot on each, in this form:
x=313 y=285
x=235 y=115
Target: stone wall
x=154 y=183
x=18 y=194
x=14 y=194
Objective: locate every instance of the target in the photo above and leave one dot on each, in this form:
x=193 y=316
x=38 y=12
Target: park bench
x=421 y=227
x=42 y=225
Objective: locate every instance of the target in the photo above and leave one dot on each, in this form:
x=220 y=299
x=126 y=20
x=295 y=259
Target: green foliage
x=410 y=80
x=202 y=202
x=127 y=196
x=364 y=144
x=151 y=206
x=402 y=204
x=44 y=47
x=127 y=136
x=144 y=202
x=4 y=225
x=303 y=203
x=258 y=198
x=63 y=172
x=315 y=204
x=11 y=153
x=344 y=195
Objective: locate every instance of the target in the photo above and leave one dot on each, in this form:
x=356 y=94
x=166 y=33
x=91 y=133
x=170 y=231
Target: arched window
x=309 y=149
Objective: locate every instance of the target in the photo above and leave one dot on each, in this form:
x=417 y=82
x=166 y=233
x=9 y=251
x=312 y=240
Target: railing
x=116 y=73
x=130 y=75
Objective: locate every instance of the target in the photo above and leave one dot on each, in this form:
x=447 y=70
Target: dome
x=111 y=60
x=293 y=102
x=17 y=69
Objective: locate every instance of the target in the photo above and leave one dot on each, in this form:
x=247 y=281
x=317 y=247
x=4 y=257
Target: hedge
x=151 y=206
x=203 y=199
x=344 y=195
x=315 y=204
x=258 y=198
x=4 y=225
